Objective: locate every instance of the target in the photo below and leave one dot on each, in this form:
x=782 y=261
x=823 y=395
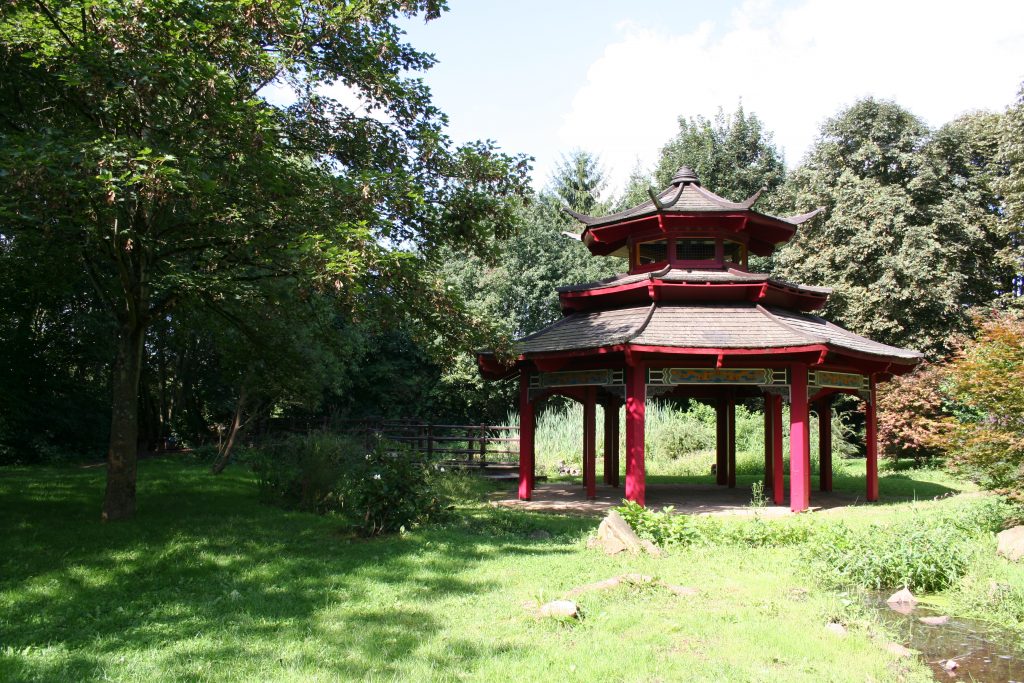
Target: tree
x=54 y=367
x=1011 y=155
x=734 y=156
x=136 y=134
x=914 y=419
x=987 y=376
x=579 y=181
x=512 y=292
x=911 y=234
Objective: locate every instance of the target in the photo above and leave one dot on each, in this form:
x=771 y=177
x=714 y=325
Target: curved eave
x=733 y=328
x=821 y=354
x=765 y=232
x=693 y=286
x=492 y=368
x=680 y=292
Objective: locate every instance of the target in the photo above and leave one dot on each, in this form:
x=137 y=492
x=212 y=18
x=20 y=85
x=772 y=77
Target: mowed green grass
x=209 y=584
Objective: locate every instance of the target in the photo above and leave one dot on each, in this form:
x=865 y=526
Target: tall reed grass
x=680 y=438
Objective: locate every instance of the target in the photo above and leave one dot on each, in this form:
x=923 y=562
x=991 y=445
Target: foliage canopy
x=135 y=137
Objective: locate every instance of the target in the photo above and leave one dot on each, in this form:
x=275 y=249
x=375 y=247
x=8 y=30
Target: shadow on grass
x=204 y=574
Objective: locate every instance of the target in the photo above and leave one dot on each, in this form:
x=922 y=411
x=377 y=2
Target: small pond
x=984 y=652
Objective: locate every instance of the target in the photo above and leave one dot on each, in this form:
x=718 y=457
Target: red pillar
x=825 y=444
x=799 y=448
x=636 y=395
x=721 y=443
x=872 y=444
x=526 y=458
x=590 y=442
x=611 y=442
x=778 y=473
x=768 y=479
x=730 y=413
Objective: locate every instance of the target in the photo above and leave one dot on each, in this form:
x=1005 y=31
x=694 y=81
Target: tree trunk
x=119 y=502
x=224 y=456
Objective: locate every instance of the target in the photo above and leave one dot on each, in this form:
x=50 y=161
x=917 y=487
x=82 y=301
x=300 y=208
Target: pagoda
x=688 y=320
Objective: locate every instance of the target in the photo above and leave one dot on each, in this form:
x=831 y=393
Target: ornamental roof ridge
x=768 y=314
x=685 y=195
x=685 y=174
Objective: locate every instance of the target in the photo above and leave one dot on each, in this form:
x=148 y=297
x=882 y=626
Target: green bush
x=377 y=490
x=986 y=379
x=304 y=471
x=390 y=489
x=666 y=529
x=925 y=552
x=663 y=528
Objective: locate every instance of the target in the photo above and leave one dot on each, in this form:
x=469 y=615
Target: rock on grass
x=560 y=609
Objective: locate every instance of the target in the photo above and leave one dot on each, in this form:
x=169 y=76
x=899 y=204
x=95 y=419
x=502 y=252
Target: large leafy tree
x=911 y=234
x=1012 y=185
x=135 y=134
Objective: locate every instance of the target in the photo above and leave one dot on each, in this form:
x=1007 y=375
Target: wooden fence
x=468 y=443
x=480 y=444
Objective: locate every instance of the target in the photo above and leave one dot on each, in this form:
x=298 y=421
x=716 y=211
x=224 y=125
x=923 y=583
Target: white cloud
x=795 y=66
x=281 y=94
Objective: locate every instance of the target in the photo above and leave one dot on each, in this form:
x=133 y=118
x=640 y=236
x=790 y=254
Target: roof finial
x=685 y=175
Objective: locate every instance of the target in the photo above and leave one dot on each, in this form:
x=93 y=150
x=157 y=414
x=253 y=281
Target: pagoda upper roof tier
x=686 y=204
x=683 y=285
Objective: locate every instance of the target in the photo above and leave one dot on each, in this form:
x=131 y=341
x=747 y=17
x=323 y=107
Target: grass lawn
x=208 y=584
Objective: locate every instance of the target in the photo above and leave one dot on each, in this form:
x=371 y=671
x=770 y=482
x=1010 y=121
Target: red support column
x=526 y=463
x=590 y=442
x=872 y=445
x=825 y=444
x=721 y=443
x=799 y=448
x=778 y=473
x=730 y=413
x=636 y=395
x=611 y=442
x=768 y=479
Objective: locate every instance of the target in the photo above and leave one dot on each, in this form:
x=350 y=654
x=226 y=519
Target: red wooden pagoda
x=690 y=321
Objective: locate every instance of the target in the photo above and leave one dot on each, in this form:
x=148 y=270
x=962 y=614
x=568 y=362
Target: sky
x=547 y=77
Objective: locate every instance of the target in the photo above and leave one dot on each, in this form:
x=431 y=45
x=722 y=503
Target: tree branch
x=56 y=24
x=94 y=278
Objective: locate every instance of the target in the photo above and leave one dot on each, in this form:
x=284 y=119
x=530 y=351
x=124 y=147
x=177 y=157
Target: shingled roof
x=724 y=326
x=683 y=195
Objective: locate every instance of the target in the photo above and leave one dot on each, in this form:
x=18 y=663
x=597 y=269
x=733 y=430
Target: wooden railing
x=477 y=444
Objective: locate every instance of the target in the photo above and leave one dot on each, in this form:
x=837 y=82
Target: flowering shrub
x=377 y=490
x=391 y=489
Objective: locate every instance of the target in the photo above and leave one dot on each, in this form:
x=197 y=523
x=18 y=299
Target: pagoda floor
x=691 y=499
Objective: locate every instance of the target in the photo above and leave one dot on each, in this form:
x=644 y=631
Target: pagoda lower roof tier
x=719 y=330
x=680 y=285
